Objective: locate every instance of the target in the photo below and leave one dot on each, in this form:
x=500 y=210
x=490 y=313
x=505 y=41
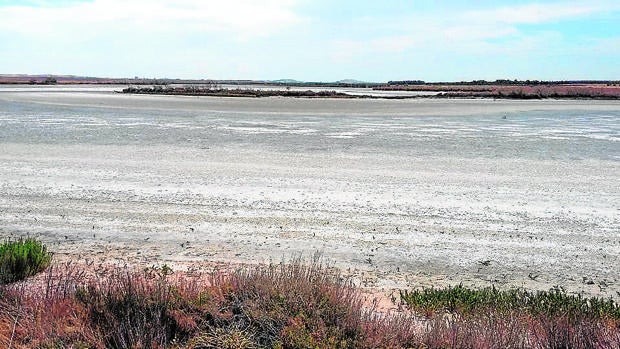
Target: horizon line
x=295 y=81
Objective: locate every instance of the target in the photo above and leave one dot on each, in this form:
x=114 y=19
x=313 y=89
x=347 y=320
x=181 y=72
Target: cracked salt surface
x=399 y=193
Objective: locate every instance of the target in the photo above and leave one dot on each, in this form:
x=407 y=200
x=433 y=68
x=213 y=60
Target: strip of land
x=405 y=89
x=606 y=92
x=525 y=90
x=238 y=92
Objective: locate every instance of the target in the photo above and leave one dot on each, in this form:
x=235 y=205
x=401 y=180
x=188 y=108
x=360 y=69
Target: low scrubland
x=515 y=91
x=539 y=91
x=298 y=304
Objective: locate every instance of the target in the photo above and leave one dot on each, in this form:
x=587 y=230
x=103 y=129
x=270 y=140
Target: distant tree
x=406 y=82
x=50 y=81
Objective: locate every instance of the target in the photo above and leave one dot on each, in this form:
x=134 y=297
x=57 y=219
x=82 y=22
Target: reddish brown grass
x=289 y=305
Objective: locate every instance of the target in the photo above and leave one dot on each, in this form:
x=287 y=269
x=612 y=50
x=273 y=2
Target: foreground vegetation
x=294 y=305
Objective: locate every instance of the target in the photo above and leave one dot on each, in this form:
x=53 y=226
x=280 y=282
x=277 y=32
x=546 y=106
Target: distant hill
x=351 y=81
x=285 y=81
x=73 y=79
x=49 y=79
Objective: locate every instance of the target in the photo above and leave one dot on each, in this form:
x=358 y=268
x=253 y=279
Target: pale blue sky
x=313 y=40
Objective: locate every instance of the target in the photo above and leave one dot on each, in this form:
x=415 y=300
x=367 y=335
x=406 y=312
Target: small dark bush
x=21 y=259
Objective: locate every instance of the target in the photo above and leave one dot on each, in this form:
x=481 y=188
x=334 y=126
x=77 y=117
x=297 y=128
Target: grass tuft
x=22 y=258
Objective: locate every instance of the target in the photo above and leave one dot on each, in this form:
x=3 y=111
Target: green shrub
x=553 y=302
x=22 y=258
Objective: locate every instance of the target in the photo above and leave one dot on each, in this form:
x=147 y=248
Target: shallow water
x=403 y=192
x=533 y=134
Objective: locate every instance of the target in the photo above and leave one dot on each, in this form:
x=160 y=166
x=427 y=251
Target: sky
x=313 y=40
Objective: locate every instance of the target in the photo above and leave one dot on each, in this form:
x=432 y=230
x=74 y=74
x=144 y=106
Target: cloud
x=537 y=13
x=496 y=30
x=296 y=38
x=468 y=31
x=601 y=46
x=241 y=18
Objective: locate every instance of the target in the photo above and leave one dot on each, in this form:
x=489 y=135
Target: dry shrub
x=43 y=312
x=517 y=329
x=288 y=302
x=224 y=338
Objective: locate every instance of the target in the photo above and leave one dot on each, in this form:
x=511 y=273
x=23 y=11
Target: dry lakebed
x=395 y=193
